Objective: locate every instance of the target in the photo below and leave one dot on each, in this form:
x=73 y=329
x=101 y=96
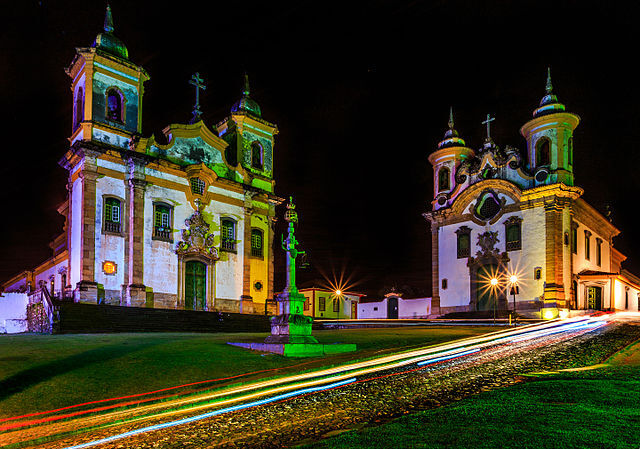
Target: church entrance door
x=594 y=298
x=195 y=285
x=487 y=296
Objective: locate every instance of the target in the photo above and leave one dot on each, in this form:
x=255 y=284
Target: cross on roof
x=488 y=123
x=199 y=84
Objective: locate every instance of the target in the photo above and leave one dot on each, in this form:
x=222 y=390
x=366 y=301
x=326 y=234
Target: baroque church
x=504 y=223
x=183 y=221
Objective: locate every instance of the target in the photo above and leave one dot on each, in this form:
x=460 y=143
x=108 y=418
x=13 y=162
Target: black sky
x=360 y=92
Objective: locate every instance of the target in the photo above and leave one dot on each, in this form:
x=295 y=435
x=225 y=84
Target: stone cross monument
x=290 y=325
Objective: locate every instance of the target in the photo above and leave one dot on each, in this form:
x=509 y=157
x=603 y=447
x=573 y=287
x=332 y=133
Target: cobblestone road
x=380 y=397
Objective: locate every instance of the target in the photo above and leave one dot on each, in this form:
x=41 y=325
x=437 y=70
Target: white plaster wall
x=414 y=308
x=522 y=262
x=160 y=259
x=76 y=232
x=454 y=270
x=619 y=297
x=13 y=313
x=109 y=247
x=229 y=269
x=367 y=310
x=531 y=256
x=580 y=263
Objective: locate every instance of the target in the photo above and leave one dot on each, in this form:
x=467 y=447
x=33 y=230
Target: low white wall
x=414 y=308
x=13 y=313
x=372 y=309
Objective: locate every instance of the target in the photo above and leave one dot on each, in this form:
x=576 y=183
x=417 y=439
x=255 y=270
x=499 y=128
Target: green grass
x=586 y=409
x=39 y=372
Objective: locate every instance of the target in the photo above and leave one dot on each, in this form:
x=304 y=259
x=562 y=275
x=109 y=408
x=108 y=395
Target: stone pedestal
x=136 y=295
x=291 y=326
x=87 y=292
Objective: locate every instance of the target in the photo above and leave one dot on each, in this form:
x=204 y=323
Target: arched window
x=543 y=149
x=257 y=156
x=115 y=105
x=112 y=215
x=79 y=108
x=228 y=234
x=256 y=243
x=443 y=179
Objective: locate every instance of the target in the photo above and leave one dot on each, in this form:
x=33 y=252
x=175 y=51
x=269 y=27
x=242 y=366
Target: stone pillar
x=435 y=275
x=87 y=287
x=136 y=291
x=271 y=257
x=554 y=294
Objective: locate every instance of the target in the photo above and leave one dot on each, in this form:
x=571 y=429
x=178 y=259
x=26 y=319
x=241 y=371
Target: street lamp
x=338 y=294
x=513 y=280
x=494 y=286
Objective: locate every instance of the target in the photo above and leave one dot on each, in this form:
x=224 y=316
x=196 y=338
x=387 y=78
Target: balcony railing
x=111 y=226
x=228 y=244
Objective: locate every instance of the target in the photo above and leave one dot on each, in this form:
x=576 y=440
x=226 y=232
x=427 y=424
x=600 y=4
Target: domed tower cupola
x=246 y=104
x=549 y=103
x=108 y=42
x=452 y=150
x=550 y=140
x=107 y=91
x=451 y=137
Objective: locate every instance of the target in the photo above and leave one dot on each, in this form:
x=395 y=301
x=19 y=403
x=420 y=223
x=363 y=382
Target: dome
x=108 y=42
x=549 y=103
x=246 y=104
x=451 y=138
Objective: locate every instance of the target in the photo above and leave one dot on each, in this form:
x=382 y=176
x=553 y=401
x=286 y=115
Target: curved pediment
x=193 y=144
x=498 y=187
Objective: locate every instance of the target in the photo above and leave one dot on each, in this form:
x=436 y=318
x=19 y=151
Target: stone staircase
x=77 y=318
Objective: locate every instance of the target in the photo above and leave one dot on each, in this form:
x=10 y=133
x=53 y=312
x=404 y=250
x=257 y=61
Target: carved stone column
x=246 y=300
x=87 y=288
x=554 y=294
x=435 y=275
x=271 y=257
x=136 y=290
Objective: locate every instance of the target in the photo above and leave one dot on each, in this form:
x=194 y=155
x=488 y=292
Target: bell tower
x=549 y=138
x=452 y=150
x=107 y=91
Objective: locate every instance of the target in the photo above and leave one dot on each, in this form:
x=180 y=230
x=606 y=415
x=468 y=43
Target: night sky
x=361 y=95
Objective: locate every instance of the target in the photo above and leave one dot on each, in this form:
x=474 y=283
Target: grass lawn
x=597 y=408
x=41 y=372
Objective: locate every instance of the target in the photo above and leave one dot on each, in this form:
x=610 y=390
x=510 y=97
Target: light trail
x=210 y=414
x=284 y=386
x=99 y=401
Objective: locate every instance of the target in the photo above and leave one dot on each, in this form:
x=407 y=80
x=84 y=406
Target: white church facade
x=182 y=221
x=519 y=222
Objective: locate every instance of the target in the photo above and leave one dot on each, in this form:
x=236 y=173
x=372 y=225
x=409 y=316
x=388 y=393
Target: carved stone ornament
x=487 y=242
x=196 y=239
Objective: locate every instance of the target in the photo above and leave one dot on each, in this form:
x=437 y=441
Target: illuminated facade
x=326 y=304
x=183 y=221
x=496 y=213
